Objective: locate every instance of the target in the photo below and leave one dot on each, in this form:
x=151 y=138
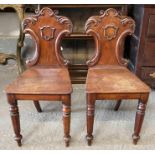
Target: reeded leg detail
x=37 y=105
x=66 y=118
x=117 y=105
x=139 y=118
x=90 y=117
x=15 y=118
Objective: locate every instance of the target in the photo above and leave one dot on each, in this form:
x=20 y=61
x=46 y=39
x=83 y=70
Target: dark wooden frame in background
x=78 y=72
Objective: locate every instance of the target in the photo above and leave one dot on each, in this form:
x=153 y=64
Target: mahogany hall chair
x=47 y=76
x=108 y=76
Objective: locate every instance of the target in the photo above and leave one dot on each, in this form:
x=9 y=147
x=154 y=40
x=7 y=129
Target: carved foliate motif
x=47 y=32
x=109 y=25
x=46 y=24
x=110 y=32
x=49 y=13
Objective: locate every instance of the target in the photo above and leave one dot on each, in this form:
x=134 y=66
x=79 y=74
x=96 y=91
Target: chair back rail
x=109 y=30
x=47 y=29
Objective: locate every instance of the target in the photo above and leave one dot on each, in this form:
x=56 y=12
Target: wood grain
x=47 y=76
x=108 y=77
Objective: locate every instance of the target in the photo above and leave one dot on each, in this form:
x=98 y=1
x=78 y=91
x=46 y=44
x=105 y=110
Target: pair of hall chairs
x=47 y=76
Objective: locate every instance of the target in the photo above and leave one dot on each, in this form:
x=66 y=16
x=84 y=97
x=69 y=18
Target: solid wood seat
x=46 y=77
x=113 y=79
x=42 y=80
x=108 y=76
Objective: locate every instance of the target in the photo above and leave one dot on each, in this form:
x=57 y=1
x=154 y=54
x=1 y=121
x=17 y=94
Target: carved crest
x=95 y=21
x=47 y=32
x=48 y=13
x=109 y=25
x=47 y=25
x=110 y=32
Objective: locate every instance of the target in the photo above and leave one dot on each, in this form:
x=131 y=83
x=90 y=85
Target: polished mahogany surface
x=42 y=80
x=108 y=76
x=113 y=79
x=46 y=77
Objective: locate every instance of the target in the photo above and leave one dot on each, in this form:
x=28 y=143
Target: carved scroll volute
x=128 y=25
x=91 y=29
x=47 y=28
x=108 y=29
x=67 y=30
x=33 y=61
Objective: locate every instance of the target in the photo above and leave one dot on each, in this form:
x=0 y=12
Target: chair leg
x=90 y=117
x=139 y=118
x=117 y=105
x=66 y=108
x=37 y=105
x=15 y=118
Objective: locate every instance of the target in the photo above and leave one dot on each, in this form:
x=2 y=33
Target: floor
x=112 y=130
x=44 y=130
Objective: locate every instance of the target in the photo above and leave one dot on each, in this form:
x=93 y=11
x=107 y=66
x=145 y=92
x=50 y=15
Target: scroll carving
x=94 y=21
x=49 y=13
x=46 y=30
x=33 y=61
x=115 y=26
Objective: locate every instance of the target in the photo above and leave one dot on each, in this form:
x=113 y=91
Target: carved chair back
x=47 y=30
x=109 y=31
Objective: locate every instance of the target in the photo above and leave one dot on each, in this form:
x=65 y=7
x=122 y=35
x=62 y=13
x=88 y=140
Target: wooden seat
x=42 y=80
x=113 y=79
x=108 y=76
x=46 y=77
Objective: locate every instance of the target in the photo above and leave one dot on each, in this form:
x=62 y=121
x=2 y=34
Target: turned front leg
x=66 y=103
x=139 y=118
x=15 y=118
x=90 y=117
